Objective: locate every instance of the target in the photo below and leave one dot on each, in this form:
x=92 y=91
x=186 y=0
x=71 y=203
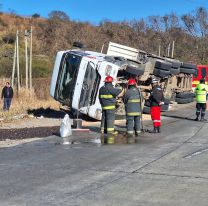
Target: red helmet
x=132 y=82
x=109 y=79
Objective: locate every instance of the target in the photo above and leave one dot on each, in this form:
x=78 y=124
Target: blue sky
x=95 y=11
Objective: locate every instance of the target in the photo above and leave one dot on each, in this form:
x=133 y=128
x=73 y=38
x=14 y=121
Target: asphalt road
x=164 y=169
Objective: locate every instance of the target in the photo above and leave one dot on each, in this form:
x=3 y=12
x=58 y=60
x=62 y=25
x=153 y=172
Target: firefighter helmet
x=109 y=79
x=132 y=82
x=155 y=80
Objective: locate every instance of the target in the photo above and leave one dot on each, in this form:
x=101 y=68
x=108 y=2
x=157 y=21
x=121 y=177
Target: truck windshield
x=67 y=78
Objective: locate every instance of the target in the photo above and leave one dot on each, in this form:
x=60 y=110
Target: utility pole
x=173 y=47
x=102 y=48
x=14 y=62
x=168 y=50
x=26 y=61
x=18 y=74
x=30 y=67
x=159 y=50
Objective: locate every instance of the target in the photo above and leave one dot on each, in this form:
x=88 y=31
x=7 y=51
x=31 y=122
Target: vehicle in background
x=79 y=74
x=202 y=72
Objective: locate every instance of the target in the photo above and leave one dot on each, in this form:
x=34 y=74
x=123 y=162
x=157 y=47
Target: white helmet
x=155 y=80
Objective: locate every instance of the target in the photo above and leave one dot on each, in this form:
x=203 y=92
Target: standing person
x=107 y=97
x=132 y=101
x=7 y=95
x=201 y=94
x=156 y=98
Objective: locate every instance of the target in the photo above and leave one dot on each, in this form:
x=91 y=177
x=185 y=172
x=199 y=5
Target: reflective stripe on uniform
x=130 y=132
x=202 y=102
x=109 y=107
x=133 y=100
x=156 y=120
x=134 y=113
x=106 y=96
x=110 y=129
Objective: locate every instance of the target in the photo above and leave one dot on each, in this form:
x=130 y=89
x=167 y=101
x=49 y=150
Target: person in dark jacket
x=7 y=95
x=132 y=101
x=107 y=97
x=156 y=100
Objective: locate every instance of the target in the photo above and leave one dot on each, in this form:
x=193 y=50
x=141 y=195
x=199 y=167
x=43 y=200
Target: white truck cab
x=77 y=77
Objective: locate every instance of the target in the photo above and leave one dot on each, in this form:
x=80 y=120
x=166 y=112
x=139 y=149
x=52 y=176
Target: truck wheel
x=184 y=95
x=187 y=70
x=188 y=65
x=138 y=71
x=183 y=100
x=175 y=64
x=163 y=65
x=161 y=73
x=174 y=71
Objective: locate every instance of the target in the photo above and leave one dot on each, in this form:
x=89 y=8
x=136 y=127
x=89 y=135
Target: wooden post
x=26 y=61
x=159 y=50
x=102 y=48
x=173 y=48
x=18 y=73
x=30 y=66
x=14 y=61
x=168 y=50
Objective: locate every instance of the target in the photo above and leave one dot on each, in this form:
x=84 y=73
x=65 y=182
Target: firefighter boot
x=154 y=130
x=137 y=133
x=130 y=134
x=203 y=120
x=158 y=129
x=197 y=116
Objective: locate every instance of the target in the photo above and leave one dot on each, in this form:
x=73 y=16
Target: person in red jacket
x=156 y=100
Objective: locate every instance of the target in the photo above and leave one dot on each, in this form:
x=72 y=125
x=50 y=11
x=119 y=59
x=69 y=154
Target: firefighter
x=201 y=94
x=107 y=97
x=132 y=101
x=156 y=100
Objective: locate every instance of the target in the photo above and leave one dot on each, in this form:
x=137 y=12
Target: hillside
x=58 y=32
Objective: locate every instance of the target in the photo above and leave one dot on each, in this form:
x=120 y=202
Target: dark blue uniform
x=107 y=97
x=132 y=103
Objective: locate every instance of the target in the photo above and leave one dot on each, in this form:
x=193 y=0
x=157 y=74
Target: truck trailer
x=78 y=75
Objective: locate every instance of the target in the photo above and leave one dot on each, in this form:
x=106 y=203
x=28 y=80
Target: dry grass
x=24 y=101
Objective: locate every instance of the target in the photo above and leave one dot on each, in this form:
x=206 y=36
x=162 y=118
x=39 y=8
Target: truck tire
x=187 y=70
x=174 y=71
x=163 y=65
x=183 y=100
x=175 y=64
x=188 y=65
x=161 y=73
x=137 y=71
x=184 y=95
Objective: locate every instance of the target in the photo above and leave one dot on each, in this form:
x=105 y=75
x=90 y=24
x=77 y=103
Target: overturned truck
x=79 y=74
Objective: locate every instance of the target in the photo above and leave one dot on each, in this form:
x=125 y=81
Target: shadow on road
x=48 y=112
